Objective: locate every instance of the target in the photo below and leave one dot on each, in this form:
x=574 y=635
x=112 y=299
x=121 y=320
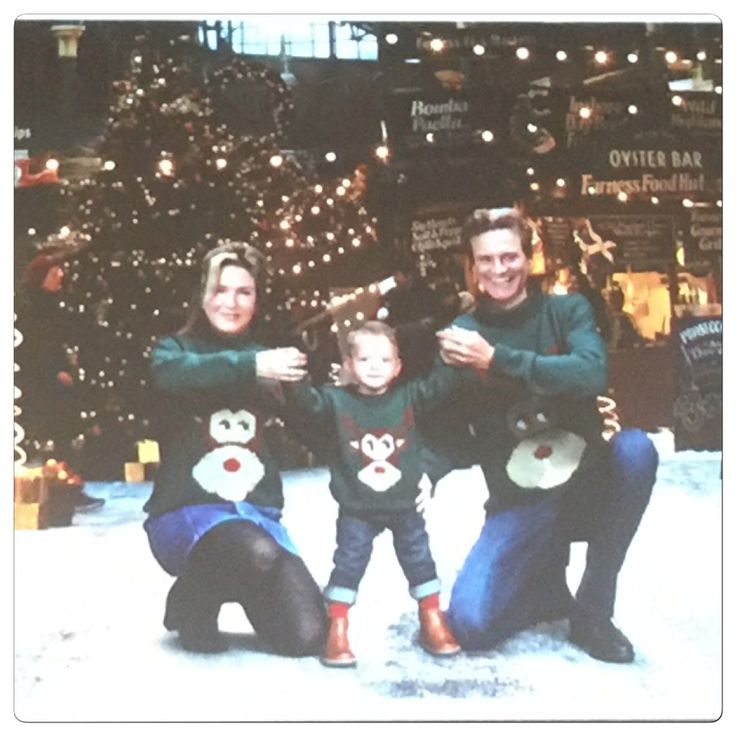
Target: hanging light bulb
x=276 y=160
x=166 y=167
x=382 y=152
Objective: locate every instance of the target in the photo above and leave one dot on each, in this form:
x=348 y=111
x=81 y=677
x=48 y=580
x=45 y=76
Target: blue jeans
x=514 y=576
x=355 y=543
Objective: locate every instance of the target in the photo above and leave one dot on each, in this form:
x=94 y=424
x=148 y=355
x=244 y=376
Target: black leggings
x=238 y=561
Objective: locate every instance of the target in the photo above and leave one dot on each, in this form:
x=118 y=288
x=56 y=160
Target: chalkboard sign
x=698 y=407
x=642 y=241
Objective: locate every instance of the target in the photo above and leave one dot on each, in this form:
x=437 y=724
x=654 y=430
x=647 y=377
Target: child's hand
x=281 y=364
x=425 y=494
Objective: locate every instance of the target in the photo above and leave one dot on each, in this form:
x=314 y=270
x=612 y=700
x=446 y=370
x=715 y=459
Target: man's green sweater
x=548 y=367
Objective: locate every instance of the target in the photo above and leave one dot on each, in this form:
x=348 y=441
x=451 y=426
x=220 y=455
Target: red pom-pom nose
x=231 y=465
x=542 y=452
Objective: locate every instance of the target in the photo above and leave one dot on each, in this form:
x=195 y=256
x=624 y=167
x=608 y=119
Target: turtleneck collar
x=488 y=312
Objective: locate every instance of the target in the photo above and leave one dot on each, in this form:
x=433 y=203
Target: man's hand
x=465 y=348
x=281 y=364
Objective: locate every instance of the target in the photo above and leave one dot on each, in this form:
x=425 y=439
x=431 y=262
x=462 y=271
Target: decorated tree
x=195 y=152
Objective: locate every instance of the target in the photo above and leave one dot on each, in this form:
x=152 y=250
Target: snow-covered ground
x=90 y=645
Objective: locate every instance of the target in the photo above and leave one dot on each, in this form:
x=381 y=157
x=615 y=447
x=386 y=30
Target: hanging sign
x=704 y=233
x=642 y=241
x=700 y=112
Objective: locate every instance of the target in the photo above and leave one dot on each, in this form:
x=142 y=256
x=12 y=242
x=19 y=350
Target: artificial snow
x=90 y=644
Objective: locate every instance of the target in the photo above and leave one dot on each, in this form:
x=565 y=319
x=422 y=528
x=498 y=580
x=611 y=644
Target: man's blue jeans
x=514 y=576
x=355 y=543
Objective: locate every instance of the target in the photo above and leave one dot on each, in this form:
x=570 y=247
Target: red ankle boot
x=337 y=649
x=435 y=636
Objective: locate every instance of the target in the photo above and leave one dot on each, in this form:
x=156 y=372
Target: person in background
x=376 y=474
x=623 y=332
x=540 y=363
x=214 y=514
x=48 y=370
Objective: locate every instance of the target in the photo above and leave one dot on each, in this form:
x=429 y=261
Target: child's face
x=374 y=363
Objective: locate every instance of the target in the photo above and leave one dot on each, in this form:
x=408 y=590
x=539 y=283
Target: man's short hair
x=372 y=327
x=499 y=218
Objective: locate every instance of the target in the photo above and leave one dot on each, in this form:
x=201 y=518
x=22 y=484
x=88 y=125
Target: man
x=551 y=477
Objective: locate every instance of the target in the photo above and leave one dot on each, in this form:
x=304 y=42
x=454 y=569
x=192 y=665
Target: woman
x=214 y=515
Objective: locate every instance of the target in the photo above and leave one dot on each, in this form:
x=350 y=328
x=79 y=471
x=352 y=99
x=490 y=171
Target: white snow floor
x=90 y=645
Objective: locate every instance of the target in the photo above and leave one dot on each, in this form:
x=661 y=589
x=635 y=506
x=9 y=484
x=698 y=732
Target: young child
x=376 y=469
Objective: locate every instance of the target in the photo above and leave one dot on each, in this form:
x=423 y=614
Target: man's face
x=501 y=267
x=374 y=363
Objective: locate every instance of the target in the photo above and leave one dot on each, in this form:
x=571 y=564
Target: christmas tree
x=195 y=152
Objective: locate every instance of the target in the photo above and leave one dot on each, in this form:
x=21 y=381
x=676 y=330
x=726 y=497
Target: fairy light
x=382 y=152
x=561 y=182
x=166 y=167
x=701 y=55
x=487 y=136
x=622 y=197
x=479 y=49
x=530 y=171
x=221 y=163
x=437 y=45
x=601 y=57
x=52 y=164
x=633 y=109
x=654 y=199
x=276 y=160
x=671 y=57
x=585 y=112
x=331 y=156
x=561 y=55
x=534 y=186
x=522 y=53
x=676 y=100
x=391 y=39
x=687 y=202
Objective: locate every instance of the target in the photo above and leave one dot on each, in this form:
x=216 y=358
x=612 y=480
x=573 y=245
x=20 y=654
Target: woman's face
x=231 y=307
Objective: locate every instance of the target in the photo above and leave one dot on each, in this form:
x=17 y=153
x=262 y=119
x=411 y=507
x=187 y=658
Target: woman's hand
x=466 y=348
x=281 y=364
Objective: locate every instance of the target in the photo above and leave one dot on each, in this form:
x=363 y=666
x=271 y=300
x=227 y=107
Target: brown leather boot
x=337 y=650
x=435 y=636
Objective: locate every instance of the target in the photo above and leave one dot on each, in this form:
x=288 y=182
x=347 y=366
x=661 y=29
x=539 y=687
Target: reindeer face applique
x=545 y=456
x=379 y=450
x=231 y=469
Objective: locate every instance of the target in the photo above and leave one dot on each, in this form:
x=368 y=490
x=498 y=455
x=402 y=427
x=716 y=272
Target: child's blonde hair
x=372 y=327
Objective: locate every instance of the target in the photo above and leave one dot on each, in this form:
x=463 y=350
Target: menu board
x=698 y=407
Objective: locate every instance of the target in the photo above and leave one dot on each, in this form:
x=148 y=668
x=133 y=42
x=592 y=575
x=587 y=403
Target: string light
x=676 y=100
x=654 y=200
x=487 y=136
x=382 y=152
x=330 y=156
x=633 y=109
x=522 y=53
x=561 y=55
x=479 y=49
x=221 y=163
x=108 y=165
x=391 y=39
x=166 y=167
x=276 y=160
x=560 y=182
x=585 y=112
x=670 y=57
x=701 y=55
x=622 y=197
x=437 y=45
x=687 y=202
x=601 y=57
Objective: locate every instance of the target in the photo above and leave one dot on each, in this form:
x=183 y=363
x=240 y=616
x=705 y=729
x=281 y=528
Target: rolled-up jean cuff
x=338 y=594
x=424 y=589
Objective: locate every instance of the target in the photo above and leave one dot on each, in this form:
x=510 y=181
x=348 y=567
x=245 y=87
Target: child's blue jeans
x=355 y=543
